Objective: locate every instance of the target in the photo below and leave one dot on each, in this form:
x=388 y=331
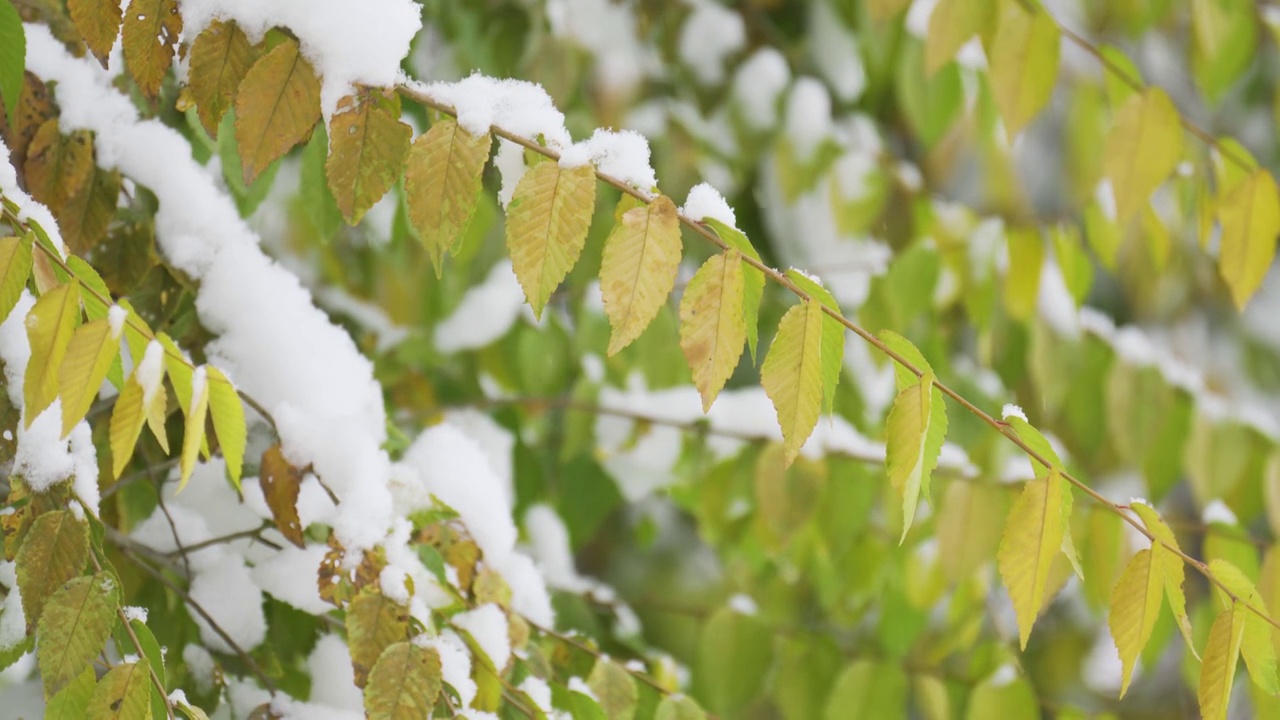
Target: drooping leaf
x=951 y=25
x=913 y=443
x=197 y=405
x=547 y=223
x=58 y=166
x=1135 y=605
x=127 y=419
x=1256 y=645
x=712 y=327
x=368 y=146
x=1172 y=568
x=1022 y=280
x=735 y=652
x=752 y=278
x=832 y=337
x=404 y=684
x=151 y=30
x=54 y=551
x=792 y=374
x=50 y=325
x=74 y=628
x=867 y=688
x=374 y=623
x=277 y=105
x=1143 y=147
x=98 y=22
x=1250 y=216
x=83 y=220
x=93 y=347
x=13 y=56
x=638 y=271
x=1023 y=63
x=614 y=689
x=154 y=656
x=227 y=413
x=442 y=185
x=72 y=701
x=679 y=707
x=15 y=268
x=220 y=58
x=281 y=482
x=1033 y=535
x=122 y=694
x=1218 y=666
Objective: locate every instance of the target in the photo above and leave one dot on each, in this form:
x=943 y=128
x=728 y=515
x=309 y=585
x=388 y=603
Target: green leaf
x=752 y=278
x=868 y=689
x=903 y=377
x=122 y=694
x=996 y=698
x=374 y=623
x=74 y=628
x=93 y=348
x=1250 y=216
x=547 y=224
x=1023 y=63
x=1224 y=41
x=368 y=146
x=638 y=271
x=951 y=25
x=614 y=688
x=98 y=22
x=832 y=337
x=1022 y=279
x=735 y=652
x=1036 y=441
x=155 y=660
x=1143 y=147
x=151 y=29
x=792 y=374
x=15 y=268
x=13 y=56
x=72 y=701
x=442 y=185
x=917 y=426
x=228 y=421
x=404 y=684
x=712 y=326
x=679 y=707
x=54 y=551
x=1033 y=535
x=276 y=106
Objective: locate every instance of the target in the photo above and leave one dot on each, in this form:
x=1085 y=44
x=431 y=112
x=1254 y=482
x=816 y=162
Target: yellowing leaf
x=193 y=426
x=74 y=628
x=98 y=22
x=442 y=185
x=951 y=25
x=1255 y=645
x=54 y=551
x=712 y=328
x=1172 y=568
x=404 y=684
x=276 y=107
x=151 y=29
x=1022 y=279
x=367 y=149
x=1135 y=605
x=15 y=268
x=220 y=58
x=1218 y=666
x=89 y=355
x=792 y=374
x=156 y=415
x=638 y=271
x=904 y=378
x=50 y=325
x=228 y=421
x=72 y=701
x=832 y=336
x=614 y=689
x=124 y=693
x=882 y=10
x=909 y=456
x=281 y=483
x=1143 y=147
x=1250 y=216
x=752 y=278
x=127 y=419
x=547 y=223
x=1033 y=535
x=58 y=166
x=1023 y=63
x=374 y=623
x=83 y=220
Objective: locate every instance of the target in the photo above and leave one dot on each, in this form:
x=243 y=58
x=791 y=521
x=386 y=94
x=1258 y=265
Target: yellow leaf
x=15 y=268
x=156 y=413
x=1172 y=568
x=638 y=271
x=1032 y=538
x=193 y=426
x=951 y=25
x=228 y=421
x=1143 y=147
x=442 y=185
x=792 y=374
x=93 y=347
x=58 y=166
x=1022 y=279
x=277 y=106
x=547 y=224
x=122 y=694
x=50 y=325
x=367 y=149
x=151 y=29
x=127 y=419
x=712 y=327
x=98 y=22
x=1023 y=63
x=1218 y=667
x=1250 y=216
x=1255 y=646
x=1135 y=605
x=907 y=455
x=220 y=58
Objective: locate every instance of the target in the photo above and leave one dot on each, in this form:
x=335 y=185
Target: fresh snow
x=704 y=202
x=487 y=625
